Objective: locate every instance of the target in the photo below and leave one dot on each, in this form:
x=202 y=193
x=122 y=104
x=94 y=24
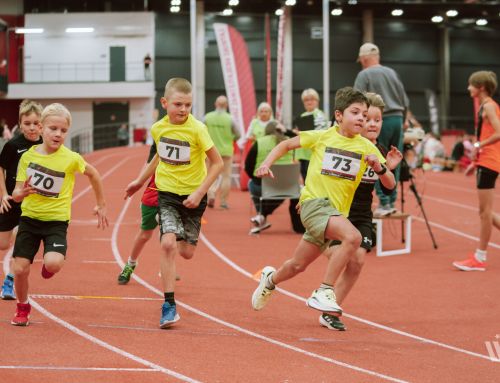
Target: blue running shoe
x=8 y=293
x=168 y=315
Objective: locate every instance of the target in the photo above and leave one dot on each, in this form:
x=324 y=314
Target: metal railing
x=81 y=72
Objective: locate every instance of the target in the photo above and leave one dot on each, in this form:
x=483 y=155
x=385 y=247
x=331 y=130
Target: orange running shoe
x=470 y=264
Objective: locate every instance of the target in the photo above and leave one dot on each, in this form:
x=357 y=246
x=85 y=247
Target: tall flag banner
x=238 y=81
x=280 y=63
x=269 y=88
x=433 y=111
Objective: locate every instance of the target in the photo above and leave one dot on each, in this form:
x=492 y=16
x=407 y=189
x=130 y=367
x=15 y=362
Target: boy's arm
x=279 y=151
x=385 y=176
x=145 y=174
x=96 y=182
x=22 y=189
x=4 y=203
x=215 y=168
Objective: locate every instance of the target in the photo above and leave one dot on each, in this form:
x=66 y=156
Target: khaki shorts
x=314 y=214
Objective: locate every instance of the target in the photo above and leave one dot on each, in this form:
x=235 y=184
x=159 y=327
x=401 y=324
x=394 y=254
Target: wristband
x=382 y=172
x=477 y=144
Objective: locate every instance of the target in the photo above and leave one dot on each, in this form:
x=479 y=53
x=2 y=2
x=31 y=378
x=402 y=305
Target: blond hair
x=375 y=100
x=27 y=107
x=177 y=84
x=56 y=109
x=309 y=92
x=486 y=79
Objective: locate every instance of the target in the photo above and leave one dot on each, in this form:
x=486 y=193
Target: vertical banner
x=280 y=64
x=267 y=28
x=238 y=81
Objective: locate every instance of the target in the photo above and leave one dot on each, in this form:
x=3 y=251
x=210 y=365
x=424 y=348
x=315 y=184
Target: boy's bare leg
x=486 y=216
x=167 y=261
x=142 y=237
x=341 y=229
x=53 y=261
x=21 y=269
x=6 y=238
x=304 y=254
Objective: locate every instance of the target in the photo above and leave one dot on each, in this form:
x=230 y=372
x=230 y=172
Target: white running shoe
x=258 y=220
x=262 y=294
x=324 y=300
x=258 y=229
x=383 y=211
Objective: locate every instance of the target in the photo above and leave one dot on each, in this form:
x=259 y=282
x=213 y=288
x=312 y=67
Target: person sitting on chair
x=274 y=134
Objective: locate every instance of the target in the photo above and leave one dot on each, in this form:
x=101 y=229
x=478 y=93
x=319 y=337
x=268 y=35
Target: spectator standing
x=384 y=81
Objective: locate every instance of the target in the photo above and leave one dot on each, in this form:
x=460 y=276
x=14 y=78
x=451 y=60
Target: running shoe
x=8 y=293
x=168 y=315
x=383 y=211
x=324 y=300
x=331 y=322
x=262 y=294
x=22 y=317
x=124 y=276
x=470 y=264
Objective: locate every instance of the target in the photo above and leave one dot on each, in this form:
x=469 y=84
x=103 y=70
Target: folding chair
x=284 y=185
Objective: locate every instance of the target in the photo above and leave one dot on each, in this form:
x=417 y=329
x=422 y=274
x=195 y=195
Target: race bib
x=174 y=152
x=45 y=181
x=341 y=163
x=369 y=176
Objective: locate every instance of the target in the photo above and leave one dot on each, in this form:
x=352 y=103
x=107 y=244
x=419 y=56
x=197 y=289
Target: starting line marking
x=77 y=368
x=80 y=297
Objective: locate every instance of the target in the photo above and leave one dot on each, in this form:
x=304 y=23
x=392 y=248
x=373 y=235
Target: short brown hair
x=27 y=107
x=347 y=96
x=375 y=100
x=177 y=84
x=486 y=79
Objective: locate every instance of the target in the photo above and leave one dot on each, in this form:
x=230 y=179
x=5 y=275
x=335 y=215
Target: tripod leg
x=419 y=201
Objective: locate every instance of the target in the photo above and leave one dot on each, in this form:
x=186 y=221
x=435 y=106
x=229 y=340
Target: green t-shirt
x=219 y=126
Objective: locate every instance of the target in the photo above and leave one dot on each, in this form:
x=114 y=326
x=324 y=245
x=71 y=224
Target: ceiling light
x=397 y=12
x=28 y=30
x=352 y=2
x=290 y=3
x=233 y=3
x=336 y=11
x=481 y=22
x=175 y=2
x=175 y=9
x=437 y=19
x=227 y=12
x=80 y=30
x=278 y=12
x=452 y=13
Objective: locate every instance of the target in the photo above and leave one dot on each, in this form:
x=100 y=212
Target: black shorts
x=32 y=231
x=362 y=222
x=10 y=219
x=176 y=218
x=485 y=178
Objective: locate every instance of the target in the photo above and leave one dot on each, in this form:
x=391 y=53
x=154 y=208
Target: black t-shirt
x=10 y=156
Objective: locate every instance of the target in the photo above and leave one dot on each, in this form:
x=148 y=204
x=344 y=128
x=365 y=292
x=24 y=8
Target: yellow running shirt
x=336 y=167
x=53 y=177
x=181 y=149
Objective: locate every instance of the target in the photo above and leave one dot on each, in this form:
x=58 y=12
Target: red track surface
x=410 y=317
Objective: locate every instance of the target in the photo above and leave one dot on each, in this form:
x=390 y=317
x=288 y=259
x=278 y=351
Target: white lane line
x=82 y=297
x=77 y=368
x=456 y=232
x=233 y=265
x=117 y=255
x=470 y=190
x=447 y=202
x=110 y=347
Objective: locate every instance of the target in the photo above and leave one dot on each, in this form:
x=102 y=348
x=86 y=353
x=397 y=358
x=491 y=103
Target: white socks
x=480 y=255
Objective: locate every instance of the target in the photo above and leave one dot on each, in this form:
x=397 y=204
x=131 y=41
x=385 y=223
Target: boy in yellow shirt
x=44 y=183
x=339 y=158
x=182 y=143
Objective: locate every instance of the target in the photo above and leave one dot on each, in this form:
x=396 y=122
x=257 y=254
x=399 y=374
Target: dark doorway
x=116 y=63
x=108 y=117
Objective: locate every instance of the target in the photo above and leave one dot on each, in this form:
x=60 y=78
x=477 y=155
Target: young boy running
x=360 y=213
x=486 y=157
x=45 y=182
x=10 y=211
x=338 y=160
x=183 y=143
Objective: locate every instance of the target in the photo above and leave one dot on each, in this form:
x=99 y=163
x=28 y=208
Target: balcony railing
x=81 y=72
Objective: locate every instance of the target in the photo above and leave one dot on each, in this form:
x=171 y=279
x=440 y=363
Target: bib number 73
x=341 y=163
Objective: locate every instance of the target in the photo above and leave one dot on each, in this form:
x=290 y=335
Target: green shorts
x=314 y=214
x=149 y=215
